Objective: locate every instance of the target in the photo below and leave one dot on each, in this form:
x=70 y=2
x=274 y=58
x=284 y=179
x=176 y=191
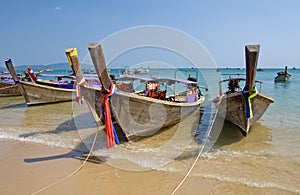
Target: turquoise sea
x=268 y=158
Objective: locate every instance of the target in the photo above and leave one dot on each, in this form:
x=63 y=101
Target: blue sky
x=37 y=32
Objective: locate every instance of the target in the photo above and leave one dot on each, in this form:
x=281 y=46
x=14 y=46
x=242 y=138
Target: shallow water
x=269 y=157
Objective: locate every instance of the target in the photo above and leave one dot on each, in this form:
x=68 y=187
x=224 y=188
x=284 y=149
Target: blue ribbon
x=18 y=80
x=115 y=135
x=8 y=60
x=112 y=93
x=248 y=98
x=247 y=104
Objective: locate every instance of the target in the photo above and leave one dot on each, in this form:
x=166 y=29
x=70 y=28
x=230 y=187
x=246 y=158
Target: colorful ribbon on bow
x=111 y=135
x=248 y=98
x=78 y=91
x=31 y=74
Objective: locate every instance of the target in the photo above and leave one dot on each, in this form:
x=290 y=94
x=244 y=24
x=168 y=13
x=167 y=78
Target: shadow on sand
x=87 y=131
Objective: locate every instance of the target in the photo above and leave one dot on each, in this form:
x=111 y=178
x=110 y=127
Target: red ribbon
x=110 y=138
x=30 y=72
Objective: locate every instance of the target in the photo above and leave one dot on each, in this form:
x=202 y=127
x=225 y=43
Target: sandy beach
x=27 y=168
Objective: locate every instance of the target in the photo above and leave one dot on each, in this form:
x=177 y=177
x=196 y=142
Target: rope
x=197 y=158
x=74 y=172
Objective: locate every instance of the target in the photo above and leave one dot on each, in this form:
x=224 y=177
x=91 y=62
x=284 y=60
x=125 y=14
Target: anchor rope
x=197 y=158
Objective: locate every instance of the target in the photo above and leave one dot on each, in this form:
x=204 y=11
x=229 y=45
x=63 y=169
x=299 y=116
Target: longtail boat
x=138 y=113
x=283 y=76
x=41 y=92
x=7 y=86
x=243 y=107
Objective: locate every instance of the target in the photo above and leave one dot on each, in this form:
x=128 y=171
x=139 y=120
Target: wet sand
x=27 y=168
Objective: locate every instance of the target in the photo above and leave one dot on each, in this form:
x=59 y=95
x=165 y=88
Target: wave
x=249 y=183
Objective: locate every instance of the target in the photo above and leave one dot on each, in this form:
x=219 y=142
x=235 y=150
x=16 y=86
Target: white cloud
x=57 y=8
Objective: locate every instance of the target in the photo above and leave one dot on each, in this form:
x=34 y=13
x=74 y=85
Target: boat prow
x=235 y=109
x=36 y=93
x=243 y=107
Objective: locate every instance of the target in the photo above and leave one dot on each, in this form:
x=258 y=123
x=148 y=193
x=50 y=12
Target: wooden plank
x=98 y=59
x=251 y=52
x=91 y=95
x=74 y=63
x=8 y=89
x=10 y=68
x=234 y=103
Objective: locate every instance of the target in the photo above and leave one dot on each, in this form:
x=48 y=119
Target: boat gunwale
x=149 y=99
x=154 y=100
x=240 y=79
x=230 y=95
x=46 y=86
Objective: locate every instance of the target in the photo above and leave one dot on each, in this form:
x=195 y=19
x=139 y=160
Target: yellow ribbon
x=249 y=102
x=72 y=53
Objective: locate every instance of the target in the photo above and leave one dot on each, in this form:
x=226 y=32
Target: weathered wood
x=10 y=68
x=34 y=93
x=251 y=52
x=98 y=59
x=91 y=94
x=72 y=56
x=140 y=116
x=235 y=109
x=9 y=89
x=41 y=94
x=233 y=103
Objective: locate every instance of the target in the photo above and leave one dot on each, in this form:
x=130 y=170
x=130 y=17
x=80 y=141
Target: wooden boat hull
x=140 y=116
x=234 y=107
x=92 y=96
x=40 y=94
x=9 y=89
x=282 y=78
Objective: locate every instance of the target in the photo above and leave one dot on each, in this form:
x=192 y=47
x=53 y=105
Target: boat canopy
x=90 y=75
x=57 y=75
x=133 y=78
x=168 y=81
x=5 y=76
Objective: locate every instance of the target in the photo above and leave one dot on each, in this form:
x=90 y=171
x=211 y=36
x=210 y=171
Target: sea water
x=269 y=157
